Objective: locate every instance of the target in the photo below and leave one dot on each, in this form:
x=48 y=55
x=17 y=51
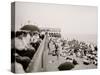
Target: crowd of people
x=69 y=49
x=24 y=45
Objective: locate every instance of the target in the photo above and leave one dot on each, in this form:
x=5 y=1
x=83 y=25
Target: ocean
x=88 y=38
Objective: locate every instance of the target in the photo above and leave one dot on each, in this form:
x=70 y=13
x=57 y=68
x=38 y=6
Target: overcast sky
x=71 y=19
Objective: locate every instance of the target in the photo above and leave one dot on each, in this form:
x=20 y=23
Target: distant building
x=52 y=32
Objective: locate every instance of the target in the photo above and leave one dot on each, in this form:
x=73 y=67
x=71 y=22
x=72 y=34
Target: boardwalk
x=50 y=62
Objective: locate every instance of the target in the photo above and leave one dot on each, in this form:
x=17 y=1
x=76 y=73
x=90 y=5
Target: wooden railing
x=36 y=63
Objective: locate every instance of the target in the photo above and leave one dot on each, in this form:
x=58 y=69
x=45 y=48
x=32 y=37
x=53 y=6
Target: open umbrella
x=66 y=66
x=30 y=28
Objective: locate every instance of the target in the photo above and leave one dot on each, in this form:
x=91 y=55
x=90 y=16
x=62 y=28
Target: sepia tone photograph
x=53 y=37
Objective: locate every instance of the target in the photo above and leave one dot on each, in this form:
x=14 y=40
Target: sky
x=71 y=19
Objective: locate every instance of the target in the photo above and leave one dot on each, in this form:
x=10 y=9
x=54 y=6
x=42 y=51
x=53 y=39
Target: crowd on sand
x=24 y=45
x=71 y=49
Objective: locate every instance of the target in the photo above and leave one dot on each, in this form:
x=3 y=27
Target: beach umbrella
x=30 y=28
x=66 y=66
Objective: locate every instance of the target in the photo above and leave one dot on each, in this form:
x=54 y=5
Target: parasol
x=30 y=28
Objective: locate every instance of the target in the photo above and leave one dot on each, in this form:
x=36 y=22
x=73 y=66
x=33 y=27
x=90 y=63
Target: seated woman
x=15 y=66
x=24 y=51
